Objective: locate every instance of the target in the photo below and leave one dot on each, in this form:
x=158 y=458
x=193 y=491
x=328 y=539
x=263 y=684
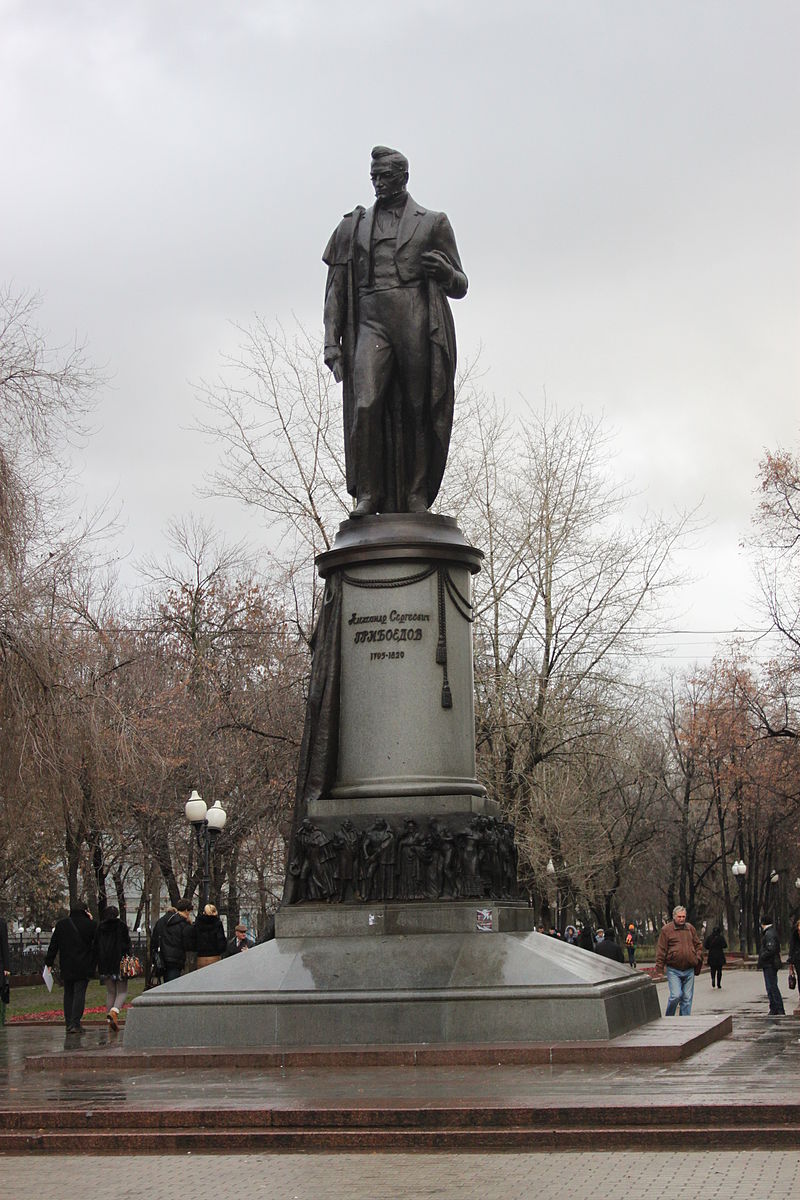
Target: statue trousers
x=392 y=347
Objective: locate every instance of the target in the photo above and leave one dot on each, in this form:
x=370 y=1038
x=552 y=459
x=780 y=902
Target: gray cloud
x=623 y=180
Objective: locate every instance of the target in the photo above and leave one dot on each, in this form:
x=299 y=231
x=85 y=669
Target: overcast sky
x=623 y=179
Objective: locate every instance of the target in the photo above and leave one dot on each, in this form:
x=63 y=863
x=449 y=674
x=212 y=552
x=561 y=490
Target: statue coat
x=420 y=230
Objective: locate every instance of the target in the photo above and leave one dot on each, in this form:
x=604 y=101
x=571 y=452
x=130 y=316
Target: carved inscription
x=395 y=634
x=393 y=626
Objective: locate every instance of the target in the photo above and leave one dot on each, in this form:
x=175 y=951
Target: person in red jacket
x=680 y=951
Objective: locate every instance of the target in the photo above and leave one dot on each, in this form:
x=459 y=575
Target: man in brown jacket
x=680 y=950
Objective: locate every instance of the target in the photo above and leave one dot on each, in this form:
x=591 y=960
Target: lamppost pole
x=739 y=870
x=207 y=823
x=774 y=879
x=551 y=870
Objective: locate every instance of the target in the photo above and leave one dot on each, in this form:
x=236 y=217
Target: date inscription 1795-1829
x=478 y=860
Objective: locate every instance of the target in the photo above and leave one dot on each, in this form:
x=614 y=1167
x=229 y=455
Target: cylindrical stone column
x=406 y=722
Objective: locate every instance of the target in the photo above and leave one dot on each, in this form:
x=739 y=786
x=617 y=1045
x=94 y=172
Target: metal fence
x=28 y=952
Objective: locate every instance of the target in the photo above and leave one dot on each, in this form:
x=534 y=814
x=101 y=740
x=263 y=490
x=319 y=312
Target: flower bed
x=52 y=1014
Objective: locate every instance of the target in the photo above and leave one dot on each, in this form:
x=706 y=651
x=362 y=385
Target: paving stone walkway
x=746 y=1175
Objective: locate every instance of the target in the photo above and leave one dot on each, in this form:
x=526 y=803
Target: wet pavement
x=759 y=1063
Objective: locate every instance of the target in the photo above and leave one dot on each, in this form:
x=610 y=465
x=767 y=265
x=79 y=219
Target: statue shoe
x=364 y=508
x=417 y=504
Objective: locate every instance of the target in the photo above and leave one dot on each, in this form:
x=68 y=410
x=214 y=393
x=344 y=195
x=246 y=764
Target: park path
x=759 y=1063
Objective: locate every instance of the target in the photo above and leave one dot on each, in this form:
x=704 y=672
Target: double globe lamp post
x=208 y=824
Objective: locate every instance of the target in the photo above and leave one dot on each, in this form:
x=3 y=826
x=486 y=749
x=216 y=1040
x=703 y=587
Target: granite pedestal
x=460 y=967
x=407 y=721
x=397 y=974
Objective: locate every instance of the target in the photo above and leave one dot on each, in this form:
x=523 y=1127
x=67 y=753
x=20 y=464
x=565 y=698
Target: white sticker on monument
x=483 y=921
x=372 y=919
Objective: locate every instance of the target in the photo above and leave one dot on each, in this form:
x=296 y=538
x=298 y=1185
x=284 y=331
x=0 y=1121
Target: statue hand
x=438 y=267
x=333 y=361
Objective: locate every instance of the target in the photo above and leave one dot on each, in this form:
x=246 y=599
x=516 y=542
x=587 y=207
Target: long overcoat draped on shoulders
x=420 y=230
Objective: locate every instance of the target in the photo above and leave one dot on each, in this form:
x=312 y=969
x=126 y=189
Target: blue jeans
x=773 y=992
x=681 y=991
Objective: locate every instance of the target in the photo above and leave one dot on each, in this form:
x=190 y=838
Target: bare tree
x=571 y=582
x=46 y=395
x=776 y=543
x=277 y=417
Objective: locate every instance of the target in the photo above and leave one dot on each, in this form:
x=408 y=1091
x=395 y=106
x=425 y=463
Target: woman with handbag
x=794 y=958
x=112 y=945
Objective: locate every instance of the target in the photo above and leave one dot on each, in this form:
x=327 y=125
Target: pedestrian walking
x=112 y=942
x=680 y=952
x=209 y=936
x=5 y=967
x=794 y=961
x=172 y=936
x=769 y=960
x=73 y=943
x=607 y=946
x=715 y=947
x=630 y=945
x=157 y=967
x=585 y=939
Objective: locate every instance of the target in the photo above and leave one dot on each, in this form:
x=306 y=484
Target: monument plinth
x=401 y=926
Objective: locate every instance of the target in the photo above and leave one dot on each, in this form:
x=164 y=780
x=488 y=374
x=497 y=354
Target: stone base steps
x=402 y=1128
x=663 y=1041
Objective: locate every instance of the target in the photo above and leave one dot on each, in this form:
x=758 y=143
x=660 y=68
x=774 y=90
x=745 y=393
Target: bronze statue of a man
x=389 y=336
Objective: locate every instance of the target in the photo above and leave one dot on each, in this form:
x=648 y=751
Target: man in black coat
x=173 y=934
x=5 y=964
x=769 y=959
x=608 y=947
x=73 y=942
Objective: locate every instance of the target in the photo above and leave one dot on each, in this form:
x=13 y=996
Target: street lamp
x=208 y=824
x=739 y=870
x=774 y=879
x=551 y=870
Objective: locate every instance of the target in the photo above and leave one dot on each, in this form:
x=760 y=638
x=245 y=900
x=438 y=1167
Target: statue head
x=388 y=172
